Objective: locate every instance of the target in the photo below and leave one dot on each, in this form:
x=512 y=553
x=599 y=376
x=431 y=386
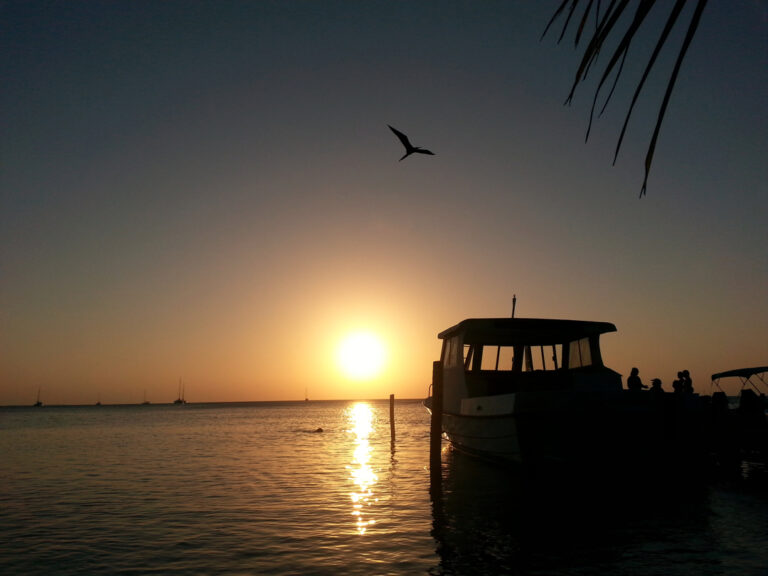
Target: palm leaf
x=583 y=22
x=611 y=16
x=620 y=54
x=692 y=27
x=555 y=17
x=605 y=24
x=651 y=61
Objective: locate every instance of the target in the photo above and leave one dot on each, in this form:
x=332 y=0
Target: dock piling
x=436 y=425
x=392 y=421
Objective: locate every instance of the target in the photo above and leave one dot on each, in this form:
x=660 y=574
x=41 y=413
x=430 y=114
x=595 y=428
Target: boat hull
x=493 y=437
x=620 y=429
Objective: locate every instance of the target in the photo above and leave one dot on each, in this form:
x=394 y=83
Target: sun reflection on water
x=360 y=417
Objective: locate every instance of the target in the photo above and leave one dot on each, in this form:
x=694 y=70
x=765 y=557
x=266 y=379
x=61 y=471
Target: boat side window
x=497 y=358
x=453 y=353
x=446 y=352
x=580 y=354
x=468 y=356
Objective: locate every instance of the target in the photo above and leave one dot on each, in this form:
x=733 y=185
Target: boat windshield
x=542 y=357
x=498 y=358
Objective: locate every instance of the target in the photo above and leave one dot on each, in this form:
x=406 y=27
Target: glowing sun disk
x=361 y=356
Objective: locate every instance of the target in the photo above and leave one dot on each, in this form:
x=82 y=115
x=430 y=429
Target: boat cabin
x=499 y=356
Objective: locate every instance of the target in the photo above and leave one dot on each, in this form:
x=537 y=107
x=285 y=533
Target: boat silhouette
x=536 y=391
x=180 y=399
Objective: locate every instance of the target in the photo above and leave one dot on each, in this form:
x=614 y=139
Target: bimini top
x=740 y=372
x=533 y=331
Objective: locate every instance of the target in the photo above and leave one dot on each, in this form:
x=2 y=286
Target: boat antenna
x=514 y=303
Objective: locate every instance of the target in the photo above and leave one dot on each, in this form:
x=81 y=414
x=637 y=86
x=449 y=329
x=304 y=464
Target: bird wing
x=424 y=151
x=403 y=138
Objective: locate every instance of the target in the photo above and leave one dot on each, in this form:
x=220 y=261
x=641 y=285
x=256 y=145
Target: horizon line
x=171 y=403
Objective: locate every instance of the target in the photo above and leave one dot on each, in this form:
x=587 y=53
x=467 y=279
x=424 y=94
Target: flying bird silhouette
x=409 y=148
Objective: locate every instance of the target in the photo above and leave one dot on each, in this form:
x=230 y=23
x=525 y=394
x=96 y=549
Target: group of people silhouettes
x=683 y=384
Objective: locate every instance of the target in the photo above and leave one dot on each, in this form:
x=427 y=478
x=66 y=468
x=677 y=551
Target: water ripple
x=254 y=489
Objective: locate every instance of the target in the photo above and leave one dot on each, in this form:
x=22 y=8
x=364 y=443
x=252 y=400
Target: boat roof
x=533 y=331
x=741 y=372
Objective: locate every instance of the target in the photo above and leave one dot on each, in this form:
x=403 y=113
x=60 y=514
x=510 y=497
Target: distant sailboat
x=180 y=399
x=145 y=402
x=38 y=403
x=306 y=397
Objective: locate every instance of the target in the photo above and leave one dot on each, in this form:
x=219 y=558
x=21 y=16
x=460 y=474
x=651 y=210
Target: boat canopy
x=740 y=372
x=745 y=375
x=530 y=331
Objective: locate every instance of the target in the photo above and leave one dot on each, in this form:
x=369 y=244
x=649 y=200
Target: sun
x=361 y=356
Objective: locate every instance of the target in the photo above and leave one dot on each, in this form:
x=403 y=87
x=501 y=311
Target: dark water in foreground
x=251 y=489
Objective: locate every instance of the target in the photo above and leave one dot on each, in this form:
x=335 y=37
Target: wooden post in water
x=436 y=425
x=392 y=420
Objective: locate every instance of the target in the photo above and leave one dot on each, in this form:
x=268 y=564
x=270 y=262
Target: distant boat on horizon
x=180 y=399
x=145 y=402
x=38 y=403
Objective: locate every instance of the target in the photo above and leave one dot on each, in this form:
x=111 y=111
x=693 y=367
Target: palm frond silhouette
x=609 y=21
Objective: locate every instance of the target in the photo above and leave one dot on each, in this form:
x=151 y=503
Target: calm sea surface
x=255 y=489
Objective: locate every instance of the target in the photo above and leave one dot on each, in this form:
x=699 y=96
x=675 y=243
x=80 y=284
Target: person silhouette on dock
x=677 y=385
x=687 y=383
x=634 y=382
x=656 y=386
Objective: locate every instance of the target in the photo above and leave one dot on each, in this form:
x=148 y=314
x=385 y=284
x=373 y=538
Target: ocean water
x=256 y=489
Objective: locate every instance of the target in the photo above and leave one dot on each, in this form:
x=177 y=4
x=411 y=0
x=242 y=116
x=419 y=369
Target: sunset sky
x=208 y=191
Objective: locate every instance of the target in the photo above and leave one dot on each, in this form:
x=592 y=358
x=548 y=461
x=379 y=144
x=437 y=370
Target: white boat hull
x=493 y=436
